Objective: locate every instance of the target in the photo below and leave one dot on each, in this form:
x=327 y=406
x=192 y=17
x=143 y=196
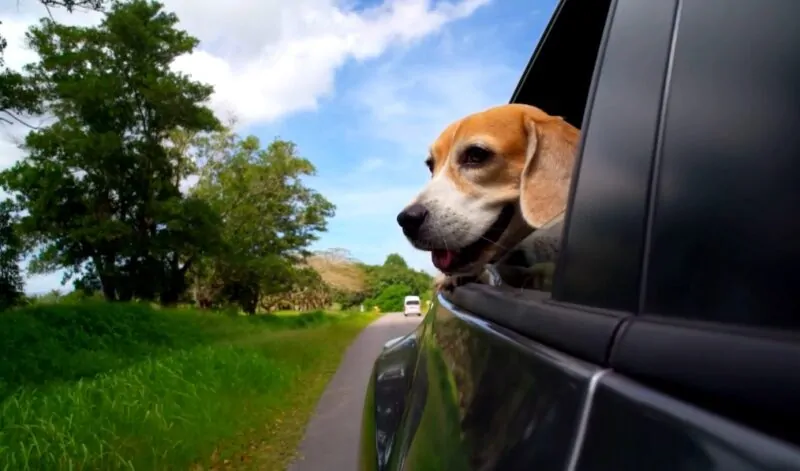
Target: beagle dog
x=496 y=176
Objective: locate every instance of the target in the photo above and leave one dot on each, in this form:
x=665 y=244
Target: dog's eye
x=475 y=155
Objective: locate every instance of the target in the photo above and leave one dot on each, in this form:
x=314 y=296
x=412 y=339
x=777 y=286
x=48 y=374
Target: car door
x=706 y=372
x=617 y=365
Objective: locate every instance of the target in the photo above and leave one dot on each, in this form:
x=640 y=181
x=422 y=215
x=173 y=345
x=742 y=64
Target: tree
x=17 y=95
x=101 y=185
x=396 y=261
x=269 y=216
x=387 y=283
x=395 y=271
x=89 y=282
x=10 y=254
x=391 y=299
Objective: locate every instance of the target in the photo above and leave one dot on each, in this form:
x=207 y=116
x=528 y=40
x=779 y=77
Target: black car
x=667 y=337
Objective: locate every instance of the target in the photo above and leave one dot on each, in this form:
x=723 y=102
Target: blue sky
x=370 y=167
x=364 y=111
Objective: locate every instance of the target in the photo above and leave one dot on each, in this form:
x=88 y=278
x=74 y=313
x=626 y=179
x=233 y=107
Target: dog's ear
x=550 y=157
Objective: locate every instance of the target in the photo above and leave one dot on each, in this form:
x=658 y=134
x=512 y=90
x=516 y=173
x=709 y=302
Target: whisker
x=439 y=234
x=513 y=235
x=493 y=242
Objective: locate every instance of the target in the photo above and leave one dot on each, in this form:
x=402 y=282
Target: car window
x=557 y=80
x=412 y=303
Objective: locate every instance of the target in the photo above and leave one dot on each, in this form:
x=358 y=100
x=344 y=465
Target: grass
x=127 y=386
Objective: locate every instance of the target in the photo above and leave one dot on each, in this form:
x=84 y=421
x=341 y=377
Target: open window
x=559 y=80
x=559 y=75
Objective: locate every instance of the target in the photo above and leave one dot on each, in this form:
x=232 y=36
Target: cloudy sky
x=361 y=86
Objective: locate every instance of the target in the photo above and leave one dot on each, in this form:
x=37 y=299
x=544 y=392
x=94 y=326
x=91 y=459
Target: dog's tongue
x=443 y=258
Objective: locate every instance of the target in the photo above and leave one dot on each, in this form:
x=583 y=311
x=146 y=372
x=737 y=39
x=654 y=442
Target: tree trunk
x=174 y=283
x=107 y=280
x=124 y=294
x=109 y=293
x=169 y=297
x=250 y=302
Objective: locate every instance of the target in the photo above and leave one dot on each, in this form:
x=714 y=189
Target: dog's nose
x=411 y=219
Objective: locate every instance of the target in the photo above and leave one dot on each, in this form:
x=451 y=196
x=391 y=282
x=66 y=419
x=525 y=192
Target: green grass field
x=127 y=386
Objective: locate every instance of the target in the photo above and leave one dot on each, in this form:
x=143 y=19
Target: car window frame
x=738 y=372
x=583 y=331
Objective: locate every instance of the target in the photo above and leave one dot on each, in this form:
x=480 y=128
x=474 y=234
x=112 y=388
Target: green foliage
x=391 y=298
x=389 y=277
x=110 y=386
x=387 y=284
x=98 y=193
x=18 y=95
x=10 y=253
x=349 y=298
x=99 y=185
x=395 y=261
x=395 y=271
x=269 y=217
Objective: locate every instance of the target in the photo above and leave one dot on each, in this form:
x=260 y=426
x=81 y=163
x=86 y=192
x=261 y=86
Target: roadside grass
x=127 y=386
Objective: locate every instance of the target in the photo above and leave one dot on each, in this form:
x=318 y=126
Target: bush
x=391 y=299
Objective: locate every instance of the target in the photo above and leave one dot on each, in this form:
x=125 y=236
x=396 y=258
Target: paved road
x=332 y=436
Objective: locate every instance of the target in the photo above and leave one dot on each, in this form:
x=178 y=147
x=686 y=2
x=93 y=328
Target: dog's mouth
x=450 y=261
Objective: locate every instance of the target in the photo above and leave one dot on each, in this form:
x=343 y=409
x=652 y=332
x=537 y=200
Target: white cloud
x=411 y=105
x=302 y=46
x=370 y=202
x=16 y=54
x=267 y=59
x=370 y=165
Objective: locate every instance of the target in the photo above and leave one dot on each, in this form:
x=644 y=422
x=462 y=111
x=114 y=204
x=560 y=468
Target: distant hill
x=339 y=270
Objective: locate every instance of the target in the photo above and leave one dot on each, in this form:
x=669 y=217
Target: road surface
x=332 y=435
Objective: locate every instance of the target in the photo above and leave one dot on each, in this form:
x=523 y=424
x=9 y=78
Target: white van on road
x=411 y=306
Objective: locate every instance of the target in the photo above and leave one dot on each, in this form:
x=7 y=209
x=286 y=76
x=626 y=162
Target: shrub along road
x=332 y=436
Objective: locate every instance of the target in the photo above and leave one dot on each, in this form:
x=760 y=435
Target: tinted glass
x=412 y=303
x=602 y=255
x=532 y=263
x=725 y=242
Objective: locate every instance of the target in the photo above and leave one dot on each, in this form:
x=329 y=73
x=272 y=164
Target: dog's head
x=496 y=176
